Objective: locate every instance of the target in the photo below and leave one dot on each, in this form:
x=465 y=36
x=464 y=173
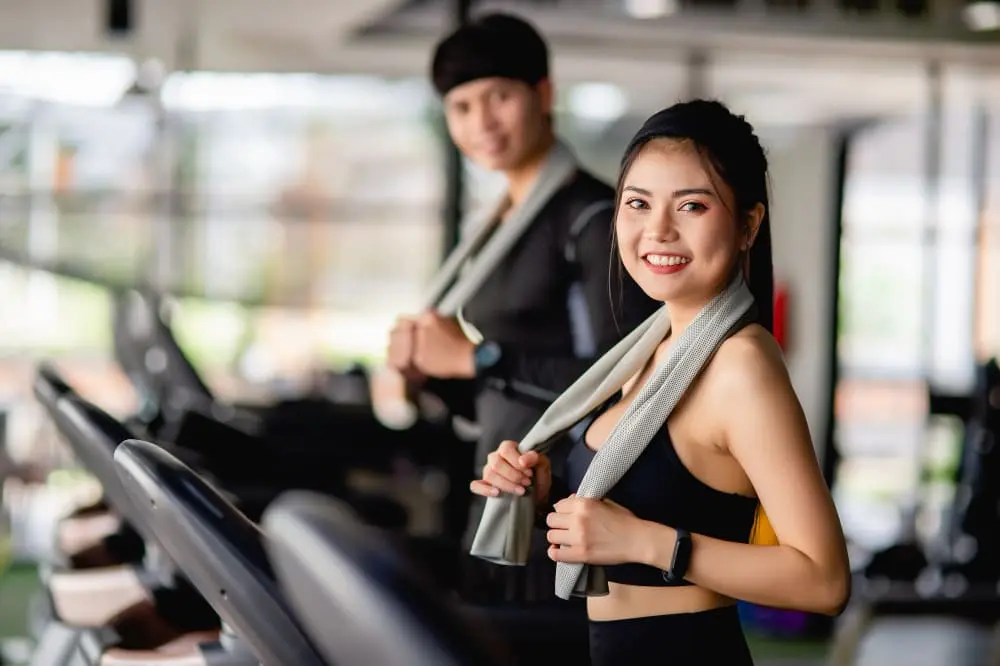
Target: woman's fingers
x=528 y=461
x=509 y=452
x=501 y=464
x=504 y=483
x=507 y=470
x=559 y=521
x=560 y=538
x=482 y=488
x=501 y=474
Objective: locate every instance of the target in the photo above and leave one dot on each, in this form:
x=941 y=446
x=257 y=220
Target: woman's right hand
x=507 y=470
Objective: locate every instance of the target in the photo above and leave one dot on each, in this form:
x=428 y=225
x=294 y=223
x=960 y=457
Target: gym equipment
x=294 y=443
x=82 y=531
x=961 y=576
x=116 y=595
x=973 y=537
x=220 y=551
x=257 y=472
x=428 y=443
x=92 y=435
x=167 y=383
x=49 y=384
x=222 y=554
x=171 y=386
x=351 y=590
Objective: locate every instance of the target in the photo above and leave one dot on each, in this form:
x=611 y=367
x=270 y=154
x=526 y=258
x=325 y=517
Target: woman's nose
x=660 y=227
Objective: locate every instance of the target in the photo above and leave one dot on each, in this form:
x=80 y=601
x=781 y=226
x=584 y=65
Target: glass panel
x=83 y=180
x=952 y=355
x=907 y=304
x=881 y=400
x=885 y=182
x=988 y=283
x=988 y=297
x=320 y=210
x=312 y=215
x=881 y=318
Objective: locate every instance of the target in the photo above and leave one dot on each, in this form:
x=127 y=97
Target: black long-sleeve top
x=555 y=303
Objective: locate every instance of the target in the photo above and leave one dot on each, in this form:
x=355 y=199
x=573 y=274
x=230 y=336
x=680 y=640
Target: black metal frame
x=454 y=178
x=830 y=455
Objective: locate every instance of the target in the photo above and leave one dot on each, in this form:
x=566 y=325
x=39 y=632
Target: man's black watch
x=486 y=356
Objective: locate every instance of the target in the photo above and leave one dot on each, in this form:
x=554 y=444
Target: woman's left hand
x=592 y=531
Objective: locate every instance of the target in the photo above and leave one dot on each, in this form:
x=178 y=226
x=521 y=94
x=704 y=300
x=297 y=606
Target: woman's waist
x=625 y=602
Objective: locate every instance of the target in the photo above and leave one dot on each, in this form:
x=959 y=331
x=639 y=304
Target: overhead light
x=78 y=79
x=982 y=15
x=650 y=9
x=349 y=95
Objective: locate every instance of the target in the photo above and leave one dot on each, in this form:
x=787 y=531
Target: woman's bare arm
x=767 y=433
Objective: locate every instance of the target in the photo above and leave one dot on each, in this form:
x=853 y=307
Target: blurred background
x=282 y=172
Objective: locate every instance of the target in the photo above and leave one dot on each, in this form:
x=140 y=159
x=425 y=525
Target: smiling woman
x=674 y=207
x=714 y=493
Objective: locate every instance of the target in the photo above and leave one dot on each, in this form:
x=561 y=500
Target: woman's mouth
x=665 y=263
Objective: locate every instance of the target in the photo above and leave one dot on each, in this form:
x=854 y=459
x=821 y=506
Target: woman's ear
x=754 y=219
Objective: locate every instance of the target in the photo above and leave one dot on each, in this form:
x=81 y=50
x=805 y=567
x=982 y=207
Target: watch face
x=487 y=354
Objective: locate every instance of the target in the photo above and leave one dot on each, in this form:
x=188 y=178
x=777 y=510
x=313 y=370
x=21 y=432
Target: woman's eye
x=636 y=204
x=692 y=207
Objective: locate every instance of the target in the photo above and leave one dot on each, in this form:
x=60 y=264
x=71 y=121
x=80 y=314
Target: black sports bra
x=659 y=488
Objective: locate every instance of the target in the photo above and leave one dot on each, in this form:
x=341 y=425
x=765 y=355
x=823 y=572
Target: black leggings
x=707 y=637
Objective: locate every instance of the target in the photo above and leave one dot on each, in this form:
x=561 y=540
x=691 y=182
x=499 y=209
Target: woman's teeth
x=666 y=260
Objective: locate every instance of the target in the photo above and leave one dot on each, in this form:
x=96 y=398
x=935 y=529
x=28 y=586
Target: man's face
x=498 y=123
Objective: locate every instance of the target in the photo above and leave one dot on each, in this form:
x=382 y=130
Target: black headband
x=497 y=45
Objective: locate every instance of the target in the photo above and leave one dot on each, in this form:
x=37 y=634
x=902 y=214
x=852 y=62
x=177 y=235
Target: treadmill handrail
x=352 y=590
x=218 y=550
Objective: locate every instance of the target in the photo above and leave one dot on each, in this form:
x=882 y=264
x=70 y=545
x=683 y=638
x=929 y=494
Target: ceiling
x=794 y=64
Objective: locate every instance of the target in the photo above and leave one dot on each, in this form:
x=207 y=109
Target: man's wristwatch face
x=487 y=355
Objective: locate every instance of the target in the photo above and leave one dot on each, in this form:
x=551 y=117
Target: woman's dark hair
x=729 y=144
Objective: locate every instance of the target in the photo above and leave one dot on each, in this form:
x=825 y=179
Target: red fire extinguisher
x=781 y=316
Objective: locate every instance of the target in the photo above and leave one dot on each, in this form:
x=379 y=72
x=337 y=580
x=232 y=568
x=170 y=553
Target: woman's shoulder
x=750 y=360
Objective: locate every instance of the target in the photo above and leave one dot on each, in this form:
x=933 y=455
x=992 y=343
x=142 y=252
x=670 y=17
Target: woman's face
x=676 y=228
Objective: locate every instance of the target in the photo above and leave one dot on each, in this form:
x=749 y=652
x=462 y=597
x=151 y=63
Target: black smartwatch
x=681 y=560
x=486 y=356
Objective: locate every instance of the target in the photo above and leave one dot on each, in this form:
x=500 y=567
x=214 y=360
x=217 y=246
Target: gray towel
x=488 y=242
x=504 y=532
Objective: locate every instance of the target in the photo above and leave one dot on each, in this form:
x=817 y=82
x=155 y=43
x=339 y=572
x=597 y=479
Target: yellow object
x=762 y=533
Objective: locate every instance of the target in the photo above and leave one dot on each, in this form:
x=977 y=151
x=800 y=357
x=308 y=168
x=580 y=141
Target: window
x=907 y=305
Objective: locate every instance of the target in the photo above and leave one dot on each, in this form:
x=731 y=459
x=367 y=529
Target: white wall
x=802 y=163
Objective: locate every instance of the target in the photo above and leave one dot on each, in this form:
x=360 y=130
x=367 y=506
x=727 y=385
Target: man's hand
x=401 y=348
x=441 y=349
